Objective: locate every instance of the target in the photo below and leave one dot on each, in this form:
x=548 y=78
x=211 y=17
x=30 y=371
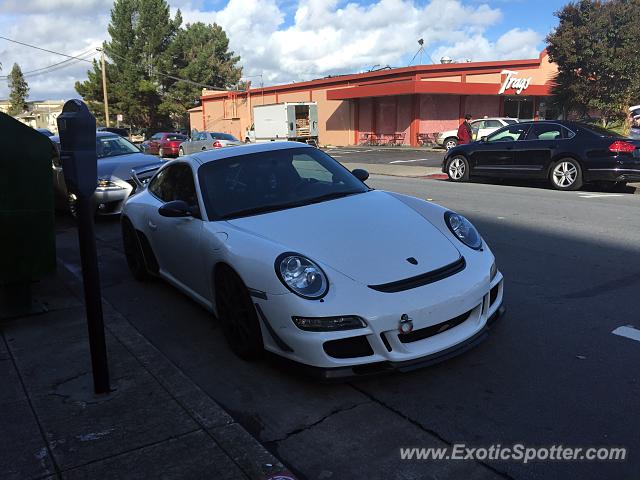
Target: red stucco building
x=404 y=103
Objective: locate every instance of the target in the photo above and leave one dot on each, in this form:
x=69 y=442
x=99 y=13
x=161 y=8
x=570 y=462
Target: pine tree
x=140 y=30
x=200 y=53
x=147 y=47
x=18 y=91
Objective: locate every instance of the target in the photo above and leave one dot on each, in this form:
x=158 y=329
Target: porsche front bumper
x=448 y=317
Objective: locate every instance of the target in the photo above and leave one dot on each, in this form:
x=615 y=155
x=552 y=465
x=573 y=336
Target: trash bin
x=27 y=237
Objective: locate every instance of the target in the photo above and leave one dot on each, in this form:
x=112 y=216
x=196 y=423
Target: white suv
x=480 y=128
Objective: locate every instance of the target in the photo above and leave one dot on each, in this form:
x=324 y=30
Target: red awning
x=410 y=87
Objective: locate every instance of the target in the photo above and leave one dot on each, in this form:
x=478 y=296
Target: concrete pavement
x=156 y=423
x=550 y=373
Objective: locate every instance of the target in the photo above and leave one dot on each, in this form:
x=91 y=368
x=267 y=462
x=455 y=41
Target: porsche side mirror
x=483 y=139
x=361 y=174
x=176 y=208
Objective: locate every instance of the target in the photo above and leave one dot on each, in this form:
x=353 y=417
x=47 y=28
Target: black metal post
x=92 y=295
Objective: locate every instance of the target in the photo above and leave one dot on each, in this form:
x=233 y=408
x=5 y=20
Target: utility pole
x=104 y=87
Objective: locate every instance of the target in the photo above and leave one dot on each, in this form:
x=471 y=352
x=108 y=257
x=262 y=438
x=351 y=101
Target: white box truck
x=293 y=121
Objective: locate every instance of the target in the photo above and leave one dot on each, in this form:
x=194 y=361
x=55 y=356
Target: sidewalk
x=155 y=423
x=396 y=170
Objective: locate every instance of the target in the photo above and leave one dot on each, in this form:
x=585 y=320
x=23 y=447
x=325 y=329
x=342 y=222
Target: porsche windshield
x=257 y=183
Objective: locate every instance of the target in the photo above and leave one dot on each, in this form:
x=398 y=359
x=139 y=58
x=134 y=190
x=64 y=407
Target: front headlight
x=301 y=275
x=463 y=230
x=106 y=184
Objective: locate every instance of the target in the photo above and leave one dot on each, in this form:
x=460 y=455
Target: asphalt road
x=551 y=372
x=388 y=155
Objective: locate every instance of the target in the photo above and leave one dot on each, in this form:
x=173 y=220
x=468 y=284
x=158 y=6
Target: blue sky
x=289 y=40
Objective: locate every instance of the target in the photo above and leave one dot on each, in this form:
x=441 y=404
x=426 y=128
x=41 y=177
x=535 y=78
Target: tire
x=133 y=252
x=238 y=316
x=458 y=169
x=566 y=174
x=180 y=152
x=450 y=142
x=161 y=152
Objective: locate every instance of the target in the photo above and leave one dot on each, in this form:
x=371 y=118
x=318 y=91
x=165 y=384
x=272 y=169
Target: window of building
x=518 y=107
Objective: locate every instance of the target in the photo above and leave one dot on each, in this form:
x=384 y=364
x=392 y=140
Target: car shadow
x=543 y=184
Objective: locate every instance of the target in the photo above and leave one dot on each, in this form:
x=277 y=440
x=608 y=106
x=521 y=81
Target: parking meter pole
x=92 y=295
x=77 y=127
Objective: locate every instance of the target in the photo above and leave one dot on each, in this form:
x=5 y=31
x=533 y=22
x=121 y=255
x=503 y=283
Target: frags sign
x=512 y=82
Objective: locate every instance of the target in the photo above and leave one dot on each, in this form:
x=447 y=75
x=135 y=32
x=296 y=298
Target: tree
x=199 y=53
x=595 y=48
x=18 y=91
x=141 y=31
x=146 y=49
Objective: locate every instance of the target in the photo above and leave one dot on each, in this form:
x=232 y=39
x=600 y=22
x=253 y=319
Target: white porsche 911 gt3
x=296 y=255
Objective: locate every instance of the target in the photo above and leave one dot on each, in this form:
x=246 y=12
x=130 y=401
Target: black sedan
x=568 y=154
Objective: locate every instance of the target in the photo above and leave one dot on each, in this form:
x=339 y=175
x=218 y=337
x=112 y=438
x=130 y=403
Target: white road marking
x=410 y=161
x=628 y=331
x=600 y=195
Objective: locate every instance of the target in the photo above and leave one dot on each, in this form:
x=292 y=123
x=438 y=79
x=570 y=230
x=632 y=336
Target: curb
x=383 y=147
x=255 y=461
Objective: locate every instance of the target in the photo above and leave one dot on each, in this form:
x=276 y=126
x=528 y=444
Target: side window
x=492 y=124
x=157 y=136
x=201 y=136
x=310 y=169
x=478 y=124
x=548 y=131
x=513 y=132
x=174 y=183
x=567 y=133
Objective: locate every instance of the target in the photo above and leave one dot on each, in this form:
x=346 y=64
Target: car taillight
x=217 y=144
x=620 y=146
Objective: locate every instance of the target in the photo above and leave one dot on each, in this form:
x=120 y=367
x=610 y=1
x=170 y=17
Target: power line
x=53 y=67
x=210 y=87
x=44 y=49
x=197 y=84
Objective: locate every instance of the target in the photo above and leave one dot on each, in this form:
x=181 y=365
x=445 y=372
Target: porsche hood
x=372 y=237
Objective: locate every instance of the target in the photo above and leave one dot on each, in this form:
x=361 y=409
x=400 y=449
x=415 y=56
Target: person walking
x=464 y=131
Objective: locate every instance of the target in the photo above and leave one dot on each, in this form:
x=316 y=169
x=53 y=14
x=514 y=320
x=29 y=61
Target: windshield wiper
x=328 y=196
x=283 y=206
x=257 y=210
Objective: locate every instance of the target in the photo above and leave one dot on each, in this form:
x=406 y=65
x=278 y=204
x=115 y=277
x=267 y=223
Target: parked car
x=207 y=141
x=116 y=157
x=296 y=255
x=45 y=131
x=163 y=144
x=568 y=154
x=123 y=132
x=479 y=128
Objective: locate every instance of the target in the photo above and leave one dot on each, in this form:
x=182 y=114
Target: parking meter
x=77 y=128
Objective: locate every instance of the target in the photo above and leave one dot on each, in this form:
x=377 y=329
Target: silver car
x=207 y=141
x=116 y=158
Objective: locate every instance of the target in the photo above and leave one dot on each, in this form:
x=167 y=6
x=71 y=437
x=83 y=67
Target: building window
x=518 y=107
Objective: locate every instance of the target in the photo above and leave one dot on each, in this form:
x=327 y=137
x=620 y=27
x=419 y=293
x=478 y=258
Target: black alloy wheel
x=238 y=316
x=133 y=252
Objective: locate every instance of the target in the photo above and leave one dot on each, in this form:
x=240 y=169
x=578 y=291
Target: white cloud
x=285 y=41
x=514 y=44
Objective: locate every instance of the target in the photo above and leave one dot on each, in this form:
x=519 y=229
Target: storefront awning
x=411 y=87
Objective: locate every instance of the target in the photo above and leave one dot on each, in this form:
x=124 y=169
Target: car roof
x=213 y=155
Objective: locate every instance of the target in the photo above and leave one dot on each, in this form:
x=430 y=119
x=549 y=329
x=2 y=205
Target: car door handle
x=152 y=225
